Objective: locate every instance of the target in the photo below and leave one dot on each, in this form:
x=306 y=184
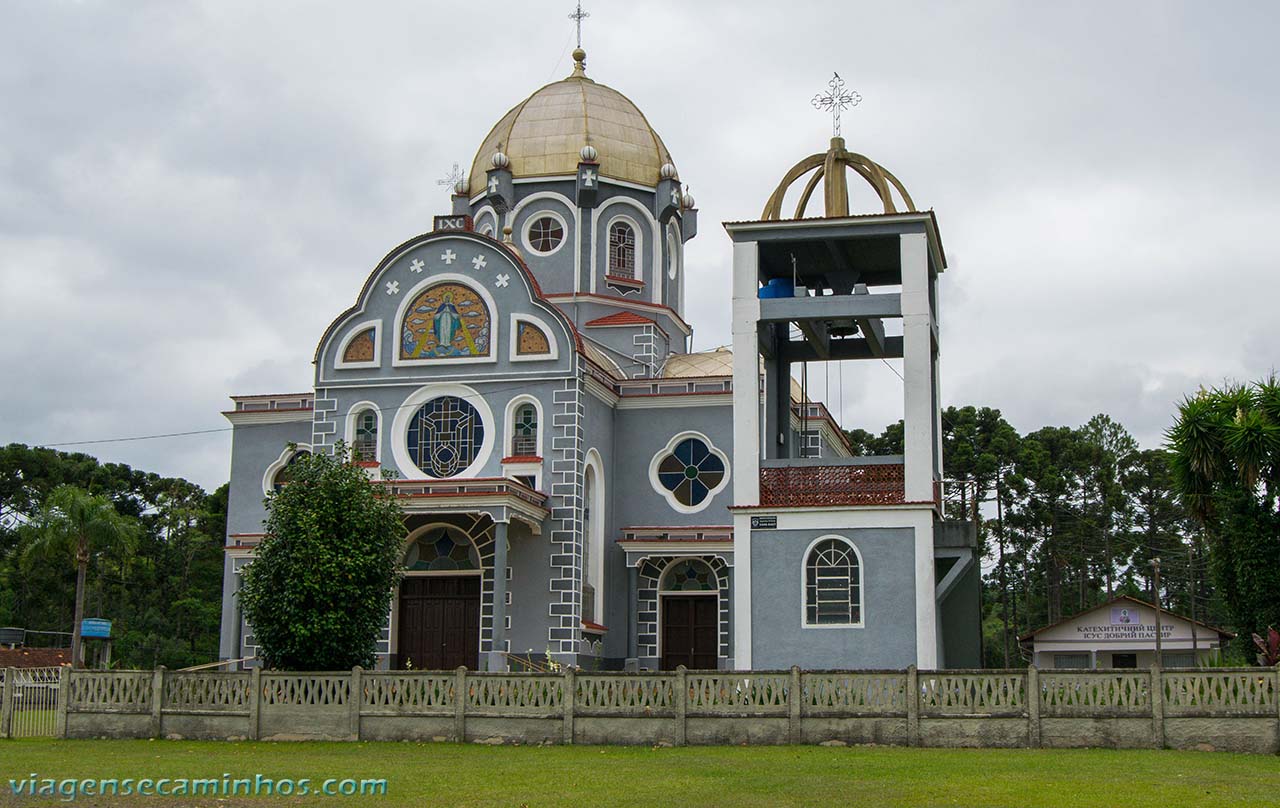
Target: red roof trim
x=522 y=459
x=621 y=318
x=596 y=628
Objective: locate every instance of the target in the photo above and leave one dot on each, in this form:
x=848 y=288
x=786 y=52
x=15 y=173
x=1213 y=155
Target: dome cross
x=452 y=179
x=836 y=100
x=578 y=16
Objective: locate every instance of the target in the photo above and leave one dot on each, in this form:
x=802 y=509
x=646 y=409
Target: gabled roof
x=621 y=318
x=1030 y=634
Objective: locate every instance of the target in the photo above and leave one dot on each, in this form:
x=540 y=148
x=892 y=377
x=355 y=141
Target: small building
x=1121 y=633
x=21 y=657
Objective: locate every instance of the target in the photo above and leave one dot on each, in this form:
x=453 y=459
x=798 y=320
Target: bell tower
x=840 y=288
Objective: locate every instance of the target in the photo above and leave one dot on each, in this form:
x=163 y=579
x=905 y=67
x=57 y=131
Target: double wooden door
x=689 y=627
x=439 y=627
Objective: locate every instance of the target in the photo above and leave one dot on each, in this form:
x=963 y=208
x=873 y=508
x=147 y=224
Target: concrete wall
x=1227 y=709
x=886 y=638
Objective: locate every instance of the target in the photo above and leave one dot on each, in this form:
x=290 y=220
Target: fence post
x=793 y=706
x=1157 y=705
x=569 y=704
x=1033 y=706
x=255 y=702
x=460 y=705
x=157 y=700
x=913 y=706
x=6 y=703
x=356 y=700
x=682 y=705
x=64 y=699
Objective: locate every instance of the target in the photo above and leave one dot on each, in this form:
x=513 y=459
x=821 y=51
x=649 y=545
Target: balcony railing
x=823 y=485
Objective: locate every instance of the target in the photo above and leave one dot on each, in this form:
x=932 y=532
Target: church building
x=579 y=486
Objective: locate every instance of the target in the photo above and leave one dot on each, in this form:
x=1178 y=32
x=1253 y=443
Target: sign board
x=764 y=523
x=95 y=627
x=459 y=222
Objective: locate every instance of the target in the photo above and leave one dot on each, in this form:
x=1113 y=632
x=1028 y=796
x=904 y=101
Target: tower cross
x=451 y=179
x=836 y=100
x=577 y=17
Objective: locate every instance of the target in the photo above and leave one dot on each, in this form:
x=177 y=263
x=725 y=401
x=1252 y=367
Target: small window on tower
x=545 y=234
x=622 y=250
x=524 y=438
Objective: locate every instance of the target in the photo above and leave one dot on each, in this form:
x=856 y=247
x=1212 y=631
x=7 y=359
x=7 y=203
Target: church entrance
x=439 y=626
x=689 y=625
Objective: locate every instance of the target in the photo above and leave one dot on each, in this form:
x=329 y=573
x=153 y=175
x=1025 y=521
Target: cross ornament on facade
x=588 y=178
x=578 y=16
x=836 y=100
x=451 y=179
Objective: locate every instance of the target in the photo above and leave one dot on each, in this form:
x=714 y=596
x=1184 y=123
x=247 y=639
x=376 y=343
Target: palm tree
x=1227 y=437
x=73 y=522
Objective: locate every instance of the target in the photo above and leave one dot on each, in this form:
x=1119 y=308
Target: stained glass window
x=690 y=575
x=365 y=446
x=445 y=436
x=530 y=340
x=360 y=348
x=622 y=250
x=691 y=472
x=832 y=592
x=545 y=234
x=443 y=548
x=524 y=438
x=282 y=476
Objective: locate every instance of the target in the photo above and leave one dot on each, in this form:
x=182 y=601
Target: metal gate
x=31 y=707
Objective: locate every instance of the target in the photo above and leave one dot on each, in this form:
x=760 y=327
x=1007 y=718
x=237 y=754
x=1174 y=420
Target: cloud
x=190 y=191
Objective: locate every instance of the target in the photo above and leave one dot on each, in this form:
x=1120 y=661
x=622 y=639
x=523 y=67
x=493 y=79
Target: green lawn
x=739 y=777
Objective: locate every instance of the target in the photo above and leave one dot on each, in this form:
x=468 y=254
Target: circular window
x=545 y=234
x=445 y=436
x=689 y=473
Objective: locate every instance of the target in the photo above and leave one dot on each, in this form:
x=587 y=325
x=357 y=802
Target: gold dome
x=544 y=134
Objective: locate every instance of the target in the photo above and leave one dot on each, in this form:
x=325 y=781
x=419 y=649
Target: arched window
x=622 y=250
x=442 y=548
x=284 y=475
x=833 y=584
x=524 y=431
x=364 y=446
x=690 y=575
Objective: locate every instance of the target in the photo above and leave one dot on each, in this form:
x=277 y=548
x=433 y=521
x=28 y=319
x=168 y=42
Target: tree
x=75 y=523
x=1225 y=463
x=319 y=587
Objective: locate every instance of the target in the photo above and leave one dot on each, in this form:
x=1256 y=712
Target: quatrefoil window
x=689 y=472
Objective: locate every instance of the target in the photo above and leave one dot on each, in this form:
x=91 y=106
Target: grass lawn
x=740 y=777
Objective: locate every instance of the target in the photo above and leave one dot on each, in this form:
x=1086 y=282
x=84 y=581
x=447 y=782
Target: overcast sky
x=190 y=192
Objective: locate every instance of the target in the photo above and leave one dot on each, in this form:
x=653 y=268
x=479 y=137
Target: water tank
x=12 y=636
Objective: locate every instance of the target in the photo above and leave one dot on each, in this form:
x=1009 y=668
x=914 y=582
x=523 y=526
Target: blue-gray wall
x=887 y=638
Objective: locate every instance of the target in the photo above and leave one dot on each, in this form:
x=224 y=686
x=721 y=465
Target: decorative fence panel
x=1213 y=693
x=855 y=694
x=29 y=702
x=1232 y=709
x=1095 y=693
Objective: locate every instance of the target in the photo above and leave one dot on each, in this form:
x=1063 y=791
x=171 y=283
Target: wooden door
x=689 y=627
x=439 y=622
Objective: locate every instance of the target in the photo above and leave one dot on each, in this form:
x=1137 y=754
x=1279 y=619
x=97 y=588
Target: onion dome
x=831 y=169
x=543 y=134
x=461 y=187
x=687 y=201
x=668 y=171
x=589 y=154
x=500 y=160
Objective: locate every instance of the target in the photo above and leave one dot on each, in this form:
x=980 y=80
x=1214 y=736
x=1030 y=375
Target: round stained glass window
x=545 y=234
x=445 y=436
x=691 y=472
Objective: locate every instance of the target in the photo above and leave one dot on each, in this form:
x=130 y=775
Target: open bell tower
x=832 y=289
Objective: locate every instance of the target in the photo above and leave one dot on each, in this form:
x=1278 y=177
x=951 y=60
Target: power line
x=135 y=437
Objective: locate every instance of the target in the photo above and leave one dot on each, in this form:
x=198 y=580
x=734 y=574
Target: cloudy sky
x=190 y=191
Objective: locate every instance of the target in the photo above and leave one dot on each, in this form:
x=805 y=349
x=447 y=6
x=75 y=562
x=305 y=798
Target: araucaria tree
x=1225 y=450
x=320 y=584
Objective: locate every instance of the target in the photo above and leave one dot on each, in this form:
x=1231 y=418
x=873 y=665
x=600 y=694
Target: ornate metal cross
x=578 y=16
x=452 y=178
x=836 y=99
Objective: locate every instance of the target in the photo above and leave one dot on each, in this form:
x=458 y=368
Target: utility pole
x=1195 y=646
x=1155 y=562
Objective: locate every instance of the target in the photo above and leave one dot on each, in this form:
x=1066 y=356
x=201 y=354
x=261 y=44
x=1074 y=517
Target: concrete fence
x=1229 y=709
